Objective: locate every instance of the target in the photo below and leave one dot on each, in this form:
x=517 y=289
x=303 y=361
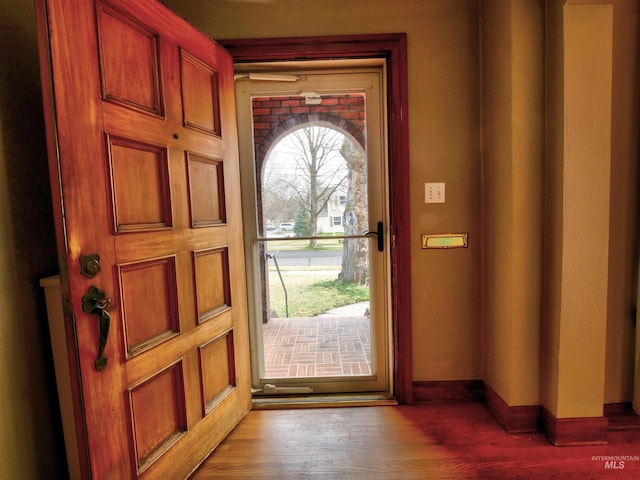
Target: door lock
x=90 y=265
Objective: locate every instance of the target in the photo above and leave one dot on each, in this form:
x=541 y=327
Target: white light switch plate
x=434 y=193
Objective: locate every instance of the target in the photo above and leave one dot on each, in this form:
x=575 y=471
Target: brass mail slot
x=445 y=240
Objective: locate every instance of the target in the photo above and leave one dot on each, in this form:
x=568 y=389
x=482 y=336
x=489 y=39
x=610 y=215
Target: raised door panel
x=128 y=61
x=140 y=187
x=212 y=282
x=217 y=370
x=206 y=190
x=148 y=303
x=158 y=415
x=200 y=97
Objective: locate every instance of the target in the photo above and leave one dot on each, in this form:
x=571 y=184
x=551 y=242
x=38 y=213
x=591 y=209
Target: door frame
x=348 y=77
x=393 y=48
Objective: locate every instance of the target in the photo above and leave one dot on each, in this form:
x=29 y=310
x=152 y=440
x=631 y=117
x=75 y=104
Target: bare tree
x=320 y=170
x=279 y=201
x=355 y=254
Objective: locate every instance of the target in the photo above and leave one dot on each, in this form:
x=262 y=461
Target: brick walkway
x=317 y=347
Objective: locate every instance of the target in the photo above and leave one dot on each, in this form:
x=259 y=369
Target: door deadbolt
x=90 y=265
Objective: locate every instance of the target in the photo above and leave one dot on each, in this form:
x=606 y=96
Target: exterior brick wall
x=274 y=117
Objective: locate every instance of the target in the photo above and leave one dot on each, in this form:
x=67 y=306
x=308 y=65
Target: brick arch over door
x=275 y=117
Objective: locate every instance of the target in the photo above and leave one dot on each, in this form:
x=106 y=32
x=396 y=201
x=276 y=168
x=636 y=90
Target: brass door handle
x=95 y=301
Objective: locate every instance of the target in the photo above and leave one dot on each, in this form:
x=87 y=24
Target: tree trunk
x=313 y=193
x=355 y=254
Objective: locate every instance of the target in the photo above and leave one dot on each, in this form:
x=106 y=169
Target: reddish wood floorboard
x=443 y=441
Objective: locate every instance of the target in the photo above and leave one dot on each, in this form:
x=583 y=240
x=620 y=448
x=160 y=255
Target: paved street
x=307 y=258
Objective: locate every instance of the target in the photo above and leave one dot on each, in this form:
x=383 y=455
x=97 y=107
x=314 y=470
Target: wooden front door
x=144 y=166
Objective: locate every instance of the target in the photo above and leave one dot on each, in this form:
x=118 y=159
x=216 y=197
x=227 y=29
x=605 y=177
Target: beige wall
x=512 y=154
x=554 y=111
x=591 y=208
x=587 y=36
x=624 y=217
x=30 y=434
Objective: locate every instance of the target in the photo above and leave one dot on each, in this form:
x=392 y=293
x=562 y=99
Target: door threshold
x=322 y=401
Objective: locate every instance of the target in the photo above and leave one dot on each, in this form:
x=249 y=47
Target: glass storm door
x=313 y=156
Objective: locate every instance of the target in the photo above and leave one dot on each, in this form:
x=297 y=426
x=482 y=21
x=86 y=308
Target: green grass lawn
x=313 y=294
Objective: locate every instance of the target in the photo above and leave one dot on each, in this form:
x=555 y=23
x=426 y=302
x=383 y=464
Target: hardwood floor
x=445 y=441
